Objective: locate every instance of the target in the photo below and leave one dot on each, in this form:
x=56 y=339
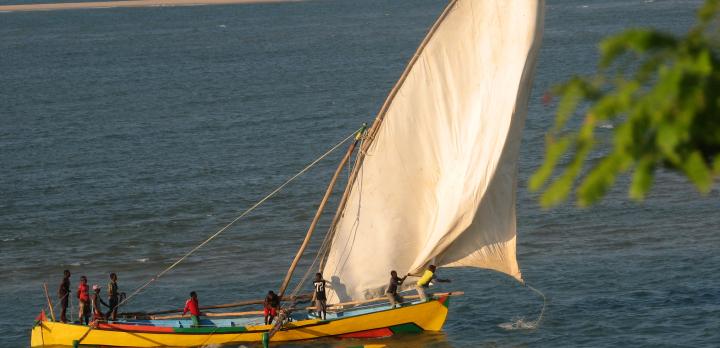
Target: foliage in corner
x=662 y=95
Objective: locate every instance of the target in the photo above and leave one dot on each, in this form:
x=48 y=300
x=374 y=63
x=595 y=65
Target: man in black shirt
x=113 y=297
x=320 y=298
x=391 y=292
x=64 y=295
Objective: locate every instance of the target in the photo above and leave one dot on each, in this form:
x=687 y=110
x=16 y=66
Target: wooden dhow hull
x=383 y=322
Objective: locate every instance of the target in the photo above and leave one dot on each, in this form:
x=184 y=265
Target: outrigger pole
x=319 y=211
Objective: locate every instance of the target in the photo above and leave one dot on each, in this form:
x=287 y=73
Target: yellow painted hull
x=429 y=316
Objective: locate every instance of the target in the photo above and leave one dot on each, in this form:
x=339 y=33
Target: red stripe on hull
x=142 y=328
x=374 y=333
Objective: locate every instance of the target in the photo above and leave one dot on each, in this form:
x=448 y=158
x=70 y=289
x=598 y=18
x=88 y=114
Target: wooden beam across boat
x=220 y=306
x=381 y=299
x=336 y=306
x=208 y=314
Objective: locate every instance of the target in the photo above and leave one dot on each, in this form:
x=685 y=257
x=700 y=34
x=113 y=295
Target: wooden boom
x=338 y=307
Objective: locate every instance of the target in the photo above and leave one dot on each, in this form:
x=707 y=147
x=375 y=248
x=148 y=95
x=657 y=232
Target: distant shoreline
x=126 y=3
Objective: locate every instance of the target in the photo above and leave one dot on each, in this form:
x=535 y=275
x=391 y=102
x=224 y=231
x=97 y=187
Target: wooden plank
x=50 y=305
x=220 y=306
x=381 y=299
x=208 y=314
x=333 y=306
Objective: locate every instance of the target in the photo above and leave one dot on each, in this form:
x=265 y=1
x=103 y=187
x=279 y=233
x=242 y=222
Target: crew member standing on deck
x=392 y=293
x=113 y=298
x=83 y=301
x=424 y=281
x=192 y=306
x=95 y=301
x=64 y=295
x=320 y=297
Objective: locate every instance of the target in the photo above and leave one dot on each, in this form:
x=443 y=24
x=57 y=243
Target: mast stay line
x=247 y=211
x=318 y=213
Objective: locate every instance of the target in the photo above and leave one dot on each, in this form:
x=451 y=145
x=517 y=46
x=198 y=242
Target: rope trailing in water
x=536 y=323
x=247 y=211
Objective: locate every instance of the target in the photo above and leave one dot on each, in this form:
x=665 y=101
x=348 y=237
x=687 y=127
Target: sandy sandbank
x=127 y=3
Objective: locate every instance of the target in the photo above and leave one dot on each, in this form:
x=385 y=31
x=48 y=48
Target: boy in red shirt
x=83 y=300
x=192 y=306
x=272 y=303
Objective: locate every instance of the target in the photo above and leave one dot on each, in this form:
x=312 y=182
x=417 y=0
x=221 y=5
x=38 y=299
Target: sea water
x=127 y=136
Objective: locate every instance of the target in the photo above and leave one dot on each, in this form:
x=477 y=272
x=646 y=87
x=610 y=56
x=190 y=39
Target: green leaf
x=570 y=96
x=634 y=40
x=698 y=172
x=667 y=141
x=555 y=150
x=708 y=11
x=560 y=189
x=598 y=181
x=662 y=93
x=642 y=178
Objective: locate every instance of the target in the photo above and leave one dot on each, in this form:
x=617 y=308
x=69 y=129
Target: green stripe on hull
x=406 y=328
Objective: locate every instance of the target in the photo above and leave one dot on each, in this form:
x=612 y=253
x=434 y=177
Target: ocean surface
x=127 y=136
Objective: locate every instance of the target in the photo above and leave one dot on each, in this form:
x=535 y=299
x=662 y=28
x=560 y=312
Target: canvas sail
x=437 y=181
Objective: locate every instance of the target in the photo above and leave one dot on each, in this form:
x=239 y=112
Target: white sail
x=437 y=182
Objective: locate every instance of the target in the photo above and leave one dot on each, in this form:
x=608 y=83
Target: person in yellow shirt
x=424 y=281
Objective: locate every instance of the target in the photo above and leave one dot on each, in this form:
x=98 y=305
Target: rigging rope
x=325 y=245
x=247 y=211
x=536 y=323
x=521 y=324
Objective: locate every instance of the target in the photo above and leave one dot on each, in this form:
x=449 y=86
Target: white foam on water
x=519 y=324
x=80 y=263
x=143 y=260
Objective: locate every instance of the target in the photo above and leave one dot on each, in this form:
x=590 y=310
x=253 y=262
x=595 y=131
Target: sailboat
x=433 y=181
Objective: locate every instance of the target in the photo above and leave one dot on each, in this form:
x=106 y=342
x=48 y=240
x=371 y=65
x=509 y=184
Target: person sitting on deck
x=83 y=300
x=64 y=295
x=425 y=280
x=272 y=304
x=319 y=296
x=192 y=306
x=392 y=290
x=95 y=301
